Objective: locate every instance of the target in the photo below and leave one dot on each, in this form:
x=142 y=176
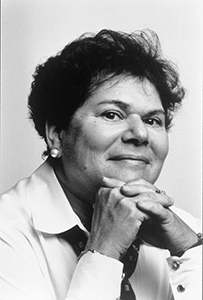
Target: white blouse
x=37 y=265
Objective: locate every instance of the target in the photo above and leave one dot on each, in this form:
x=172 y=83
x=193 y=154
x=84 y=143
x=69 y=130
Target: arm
x=96 y=277
x=160 y=226
x=28 y=265
x=168 y=229
x=186 y=274
x=186 y=271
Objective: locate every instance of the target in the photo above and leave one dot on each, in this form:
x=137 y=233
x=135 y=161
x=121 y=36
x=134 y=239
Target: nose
x=136 y=132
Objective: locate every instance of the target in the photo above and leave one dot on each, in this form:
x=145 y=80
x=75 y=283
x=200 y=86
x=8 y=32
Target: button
x=81 y=245
x=180 y=288
x=175 y=265
x=132 y=258
x=127 y=288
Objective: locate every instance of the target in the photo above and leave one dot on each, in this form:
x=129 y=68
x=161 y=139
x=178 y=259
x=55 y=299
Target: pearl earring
x=54 y=153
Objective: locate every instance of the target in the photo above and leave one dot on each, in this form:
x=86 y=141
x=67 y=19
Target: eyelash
x=106 y=115
x=114 y=113
x=158 y=121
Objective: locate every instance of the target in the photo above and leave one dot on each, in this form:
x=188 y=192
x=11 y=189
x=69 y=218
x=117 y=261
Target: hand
x=163 y=228
x=116 y=221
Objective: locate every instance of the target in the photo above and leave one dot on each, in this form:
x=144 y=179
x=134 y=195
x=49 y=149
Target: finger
x=132 y=186
x=112 y=182
x=162 y=199
x=154 y=209
x=146 y=193
x=133 y=190
x=129 y=203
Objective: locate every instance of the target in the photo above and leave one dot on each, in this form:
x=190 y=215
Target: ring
x=158 y=191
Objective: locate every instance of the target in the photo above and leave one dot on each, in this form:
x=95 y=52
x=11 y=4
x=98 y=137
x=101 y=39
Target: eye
x=112 y=116
x=153 y=122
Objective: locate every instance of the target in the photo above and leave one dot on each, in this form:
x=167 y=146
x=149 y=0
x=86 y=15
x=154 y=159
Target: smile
x=130 y=157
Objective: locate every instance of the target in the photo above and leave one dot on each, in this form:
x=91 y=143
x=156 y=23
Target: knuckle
x=101 y=192
x=171 y=200
x=113 y=193
x=108 y=195
x=126 y=204
x=151 y=195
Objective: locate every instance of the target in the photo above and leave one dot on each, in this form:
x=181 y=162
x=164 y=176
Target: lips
x=130 y=157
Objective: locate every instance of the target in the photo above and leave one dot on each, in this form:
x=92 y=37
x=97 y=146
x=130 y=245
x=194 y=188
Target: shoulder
x=15 y=204
x=14 y=208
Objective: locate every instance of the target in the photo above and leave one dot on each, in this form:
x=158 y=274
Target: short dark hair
x=64 y=82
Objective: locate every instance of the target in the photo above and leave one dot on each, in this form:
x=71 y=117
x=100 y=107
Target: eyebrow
x=156 y=112
x=119 y=103
x=125 y=106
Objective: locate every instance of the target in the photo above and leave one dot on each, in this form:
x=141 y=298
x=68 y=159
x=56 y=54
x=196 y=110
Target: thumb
x=112 y=182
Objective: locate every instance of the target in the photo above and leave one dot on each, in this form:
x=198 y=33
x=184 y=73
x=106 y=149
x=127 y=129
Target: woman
x=74 y=229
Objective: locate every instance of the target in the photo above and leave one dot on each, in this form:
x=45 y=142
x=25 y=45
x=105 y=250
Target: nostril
x=135 y=138
x=137 y=132
x=141 y=142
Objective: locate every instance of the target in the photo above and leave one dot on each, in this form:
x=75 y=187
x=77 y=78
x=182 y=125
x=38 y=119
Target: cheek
x=162 y=147
x=70 y=142
x=82 y=144
x=98 y=138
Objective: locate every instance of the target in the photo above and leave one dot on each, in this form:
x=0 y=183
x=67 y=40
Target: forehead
x=128 y=92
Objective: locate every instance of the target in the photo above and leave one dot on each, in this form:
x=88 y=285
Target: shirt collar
x=51 y=210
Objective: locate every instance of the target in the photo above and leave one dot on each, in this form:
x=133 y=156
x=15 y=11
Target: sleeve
x=24 y=273
x=96 y=277
x=20 y=273
x=186 y=275
x=186 y=271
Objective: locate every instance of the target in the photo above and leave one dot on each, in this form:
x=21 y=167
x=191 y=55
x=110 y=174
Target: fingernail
x=105 y=178
x=125 y=187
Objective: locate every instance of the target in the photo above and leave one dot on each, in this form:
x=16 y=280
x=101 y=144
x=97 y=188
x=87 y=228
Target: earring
x=54 y=153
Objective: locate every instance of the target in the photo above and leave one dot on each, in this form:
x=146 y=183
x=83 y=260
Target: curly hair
x=64 y=82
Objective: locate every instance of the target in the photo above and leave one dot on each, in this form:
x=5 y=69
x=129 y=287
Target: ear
x=53 y=137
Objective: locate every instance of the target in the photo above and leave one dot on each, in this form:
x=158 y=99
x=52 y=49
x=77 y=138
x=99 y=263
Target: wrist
x=197 y=241
x=89 y=250
x=95 y=251
x=108 y=249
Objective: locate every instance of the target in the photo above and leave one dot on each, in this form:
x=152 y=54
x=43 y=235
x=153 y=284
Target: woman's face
x=119 y=132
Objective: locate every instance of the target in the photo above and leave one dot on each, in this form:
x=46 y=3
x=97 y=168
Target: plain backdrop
x=32 y=30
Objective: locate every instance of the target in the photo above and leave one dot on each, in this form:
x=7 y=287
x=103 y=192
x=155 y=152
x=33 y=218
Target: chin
x=127 y=176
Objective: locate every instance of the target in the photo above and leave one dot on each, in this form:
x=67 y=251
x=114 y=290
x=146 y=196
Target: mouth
x=130 y=157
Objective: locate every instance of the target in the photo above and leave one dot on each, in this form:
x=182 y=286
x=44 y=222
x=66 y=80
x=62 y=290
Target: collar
x=51 y=210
